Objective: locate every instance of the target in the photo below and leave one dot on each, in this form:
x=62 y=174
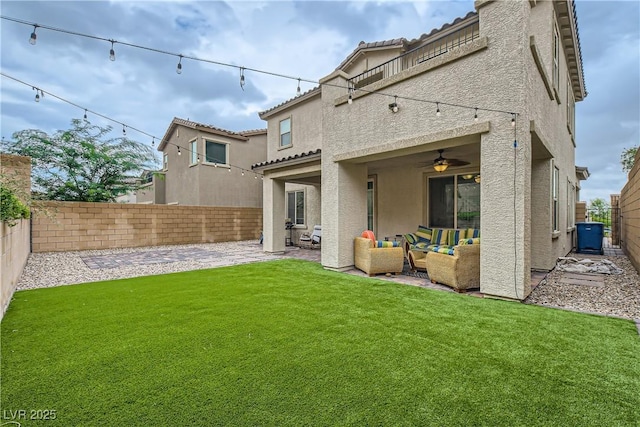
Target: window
x=165 y=161
x=556 y=59
x=555 y=189
x=295 y=207
x=454 y=202
x=285 y=133
x=571 y=206
x=571 y=108
x=371 y=202
x=193 y=146
x=215 y=152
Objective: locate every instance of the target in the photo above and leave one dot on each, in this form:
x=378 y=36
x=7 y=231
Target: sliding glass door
x=454 y=202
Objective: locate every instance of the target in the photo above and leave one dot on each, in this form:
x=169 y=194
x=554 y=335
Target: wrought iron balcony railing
x=432 y=49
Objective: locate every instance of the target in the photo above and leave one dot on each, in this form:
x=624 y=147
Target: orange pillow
x=368 y=234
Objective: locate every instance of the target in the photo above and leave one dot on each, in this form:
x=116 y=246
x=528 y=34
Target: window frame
x=165 y=161
x=457 y=180
x=280 y=134
x=555 y=199
x=555 y=60
x=294 y=217
x=193 y=152
x=226 y=152
x=571 y=108
x=571 y=206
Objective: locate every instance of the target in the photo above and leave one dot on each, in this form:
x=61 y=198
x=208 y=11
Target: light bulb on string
x=112 y=53
x=242 y=78
x=33 y=37
x=198 y=159
x=437 y=109
x=153 y=141
x=229 y=169
x=85 y=114
x=124 y=131
x=298 y=91
x=37 y=97
x=179 y=152
x=513 y=119
x=475 y=117
x=179 y=68
x=242 y=172
x=350 y=100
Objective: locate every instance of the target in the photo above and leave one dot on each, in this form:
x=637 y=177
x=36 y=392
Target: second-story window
x=556 y=59
x=215 y=152
x=193 y=147
x=285 y=133
x=165 y=162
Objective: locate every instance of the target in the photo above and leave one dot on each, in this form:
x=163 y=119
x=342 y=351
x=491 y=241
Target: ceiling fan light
x=477 y=179
x=467 y=176
x=441 y=166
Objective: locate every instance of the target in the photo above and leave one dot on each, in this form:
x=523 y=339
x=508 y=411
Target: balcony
x=443 y=43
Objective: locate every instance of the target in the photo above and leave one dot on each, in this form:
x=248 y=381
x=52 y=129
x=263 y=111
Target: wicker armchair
x=461 y=270
x=374 y=260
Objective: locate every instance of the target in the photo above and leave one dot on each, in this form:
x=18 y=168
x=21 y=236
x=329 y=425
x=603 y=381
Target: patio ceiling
x=468 y=153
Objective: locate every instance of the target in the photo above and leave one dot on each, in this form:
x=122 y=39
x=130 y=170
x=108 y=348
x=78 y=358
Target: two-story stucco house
x=207 y=166
x=360 y=148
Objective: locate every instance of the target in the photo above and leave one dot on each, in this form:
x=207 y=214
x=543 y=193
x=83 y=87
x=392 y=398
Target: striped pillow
x=471 y=233
x=411 y=238
x=439 y=236
x=385 y=244
x=454 y=237
x=424 y=234
x=368 y=234
x=472 y=241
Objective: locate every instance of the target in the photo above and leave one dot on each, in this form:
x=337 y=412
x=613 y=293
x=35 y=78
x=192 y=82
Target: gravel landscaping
x=619 y=295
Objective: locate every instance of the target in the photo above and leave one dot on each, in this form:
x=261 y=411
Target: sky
x=300 y=39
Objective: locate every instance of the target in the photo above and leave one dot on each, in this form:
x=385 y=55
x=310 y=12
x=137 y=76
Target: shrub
x=11 y=208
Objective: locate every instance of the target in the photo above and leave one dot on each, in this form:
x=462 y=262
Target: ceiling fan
x=441 y=164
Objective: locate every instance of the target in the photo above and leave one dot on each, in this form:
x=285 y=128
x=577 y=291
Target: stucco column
x=505 y=212
x=344 y=211
x=273 y=215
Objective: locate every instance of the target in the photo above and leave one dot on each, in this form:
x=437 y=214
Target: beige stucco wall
x=306 y=129
x=204 y=184
x=13 y=257
x=81 y=226
x=630 y=212
x=153 y=192
x=550 y=118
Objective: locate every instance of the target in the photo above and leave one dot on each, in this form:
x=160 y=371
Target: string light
x=153 y=142
x=241 y=80
x=513 y=119
x=179 y=152
x=85 y=114
x=38 y=93
x=33 y=37
x=437 y=109
x=179 y=68
x=299 y=92
x=124 y=131
x=475 y=117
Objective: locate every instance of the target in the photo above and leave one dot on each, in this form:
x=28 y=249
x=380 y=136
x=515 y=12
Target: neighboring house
x=207 y=166
x=364 y=164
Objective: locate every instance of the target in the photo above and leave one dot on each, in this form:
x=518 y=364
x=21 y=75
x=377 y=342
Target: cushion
x=439 y=236
x=385 y=244
x=443 y=249
x=368 y=234
x=470 y=233
x=473 y=241
x=454 y=237
x=420 y=245
x=411 y=238
x=424 y=233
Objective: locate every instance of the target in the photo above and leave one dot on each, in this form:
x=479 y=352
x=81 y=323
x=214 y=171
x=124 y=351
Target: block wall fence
x=630 y=215
x=74 y=226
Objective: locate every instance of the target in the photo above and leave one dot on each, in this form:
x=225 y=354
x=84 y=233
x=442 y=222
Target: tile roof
x=243 y=136
x=402 y=42
x=286 y=159
x=306 y=94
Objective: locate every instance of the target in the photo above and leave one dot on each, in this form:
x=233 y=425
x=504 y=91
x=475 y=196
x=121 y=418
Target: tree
x=599 y=211
x=82 y=163
x=628 y=158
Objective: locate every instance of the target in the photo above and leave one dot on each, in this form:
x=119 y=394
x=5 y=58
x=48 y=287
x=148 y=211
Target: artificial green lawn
x=288 y=343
